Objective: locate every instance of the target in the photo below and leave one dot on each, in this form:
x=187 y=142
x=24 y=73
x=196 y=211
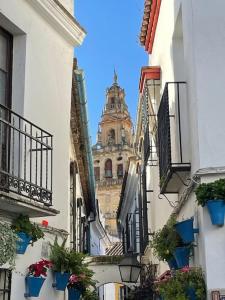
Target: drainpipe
x=83 y=103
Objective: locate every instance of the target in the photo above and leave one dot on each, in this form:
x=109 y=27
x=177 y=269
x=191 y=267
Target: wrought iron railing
x=172 y=123
x=164 y=141
x=146 y=143
x=25 y=158
x=109 y=182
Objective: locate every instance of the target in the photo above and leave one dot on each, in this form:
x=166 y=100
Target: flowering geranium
x=40 y=268
x=176 y=286
x=77 y=282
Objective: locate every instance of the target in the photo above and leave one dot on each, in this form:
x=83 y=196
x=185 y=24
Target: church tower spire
x=115 y=78
x=111 y=152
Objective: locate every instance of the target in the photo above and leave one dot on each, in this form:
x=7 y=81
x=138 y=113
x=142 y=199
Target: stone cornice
x=55 y=13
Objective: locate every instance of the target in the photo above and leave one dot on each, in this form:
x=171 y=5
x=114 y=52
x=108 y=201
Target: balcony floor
x=175 y=177
x=12 y=204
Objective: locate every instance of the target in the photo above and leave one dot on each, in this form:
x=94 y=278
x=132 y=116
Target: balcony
x=25 y=166
x=173 y=138
x=109 y=182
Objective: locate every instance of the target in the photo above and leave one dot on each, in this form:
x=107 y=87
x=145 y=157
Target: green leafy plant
x=8 y=240
x=80 y=268
x=65 y=260
x=23 y=224
x=210 y=191
x=166 y=240
x=60 y=257
x=176 y=287
x=90 y=295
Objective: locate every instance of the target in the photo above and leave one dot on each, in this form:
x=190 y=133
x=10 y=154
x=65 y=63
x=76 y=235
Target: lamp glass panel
x=125 y=272
x=135 y=271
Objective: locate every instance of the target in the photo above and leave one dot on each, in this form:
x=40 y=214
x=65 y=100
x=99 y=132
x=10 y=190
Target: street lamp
x=129 y=268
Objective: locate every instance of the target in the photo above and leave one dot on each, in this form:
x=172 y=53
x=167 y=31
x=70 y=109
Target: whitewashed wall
x=44 y=41
x=197 y=29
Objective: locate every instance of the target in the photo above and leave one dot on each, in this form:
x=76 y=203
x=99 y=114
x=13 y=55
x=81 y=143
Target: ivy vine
x=8 y=240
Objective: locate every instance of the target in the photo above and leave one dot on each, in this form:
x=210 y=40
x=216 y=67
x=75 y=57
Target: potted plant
x=164 y=243
x=186 y=230
x=8 y=240
x=81 y=278
x=182 y=254
x=212 y=195
x=185 y=284
x=27 y=232
x=60 y=258
x=75 y=287
x=36 y=276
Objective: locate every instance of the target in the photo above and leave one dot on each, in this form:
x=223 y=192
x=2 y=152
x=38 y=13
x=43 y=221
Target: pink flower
x=185 y=269
x=73 y=278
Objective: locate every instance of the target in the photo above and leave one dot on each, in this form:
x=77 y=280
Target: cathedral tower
x=111 y=153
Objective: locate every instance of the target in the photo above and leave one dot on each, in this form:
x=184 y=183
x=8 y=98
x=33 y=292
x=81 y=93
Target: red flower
x=39 y=268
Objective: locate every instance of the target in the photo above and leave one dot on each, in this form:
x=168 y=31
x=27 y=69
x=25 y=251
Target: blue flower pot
x=172 y=264
x=34 y=285
x=181 y=255
x=216 y=210
x=22 y=243
x=61 y=281
x=186 y=231
x=191 y=293
x=74 y=294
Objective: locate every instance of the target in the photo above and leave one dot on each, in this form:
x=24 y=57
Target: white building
x=180 y=136
x=41 y=175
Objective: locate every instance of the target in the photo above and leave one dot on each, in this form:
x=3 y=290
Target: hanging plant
x=165 y=241
x=23 y=224
x=8 y=239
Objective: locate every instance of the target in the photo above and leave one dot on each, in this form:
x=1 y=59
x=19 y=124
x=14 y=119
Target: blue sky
x=113 y=27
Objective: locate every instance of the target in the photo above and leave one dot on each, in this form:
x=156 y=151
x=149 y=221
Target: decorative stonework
x=111 y=153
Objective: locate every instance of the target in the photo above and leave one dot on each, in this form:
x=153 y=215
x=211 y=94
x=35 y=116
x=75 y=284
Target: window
x=97 y=173
x=5 y=99
x=5 y=284
x=111 y=137
x=5 y=67
x=120 y=170
x=108 y=168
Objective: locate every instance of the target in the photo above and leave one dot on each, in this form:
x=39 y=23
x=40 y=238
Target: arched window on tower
x=112 y=102
x=120 y=170
x=111 y=137
x=108 y=168
x=97 y=173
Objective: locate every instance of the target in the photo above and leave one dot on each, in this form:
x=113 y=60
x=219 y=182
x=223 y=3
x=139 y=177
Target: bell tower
x=111 y=153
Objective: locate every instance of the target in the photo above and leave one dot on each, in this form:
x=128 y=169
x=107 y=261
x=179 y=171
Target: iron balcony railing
x=172 y=135
x=109 y=182
x=164 y=141
x=25 y=158
x=146 y=144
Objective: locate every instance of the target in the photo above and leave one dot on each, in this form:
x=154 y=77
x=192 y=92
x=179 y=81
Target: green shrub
x=23 y=224
x=210 y=191
x=175 y=287
x=165 y=241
